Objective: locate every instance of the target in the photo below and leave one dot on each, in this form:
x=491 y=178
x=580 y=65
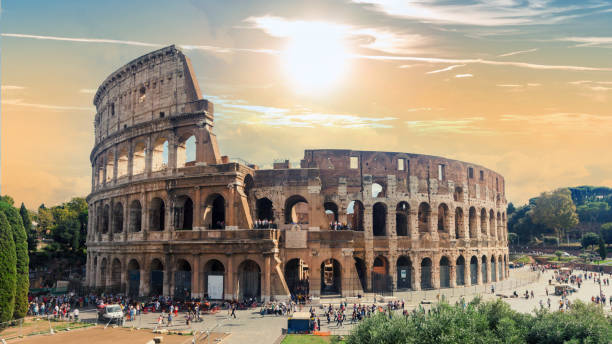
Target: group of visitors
x=57 y=308
x=265 y=224
x=338 y=226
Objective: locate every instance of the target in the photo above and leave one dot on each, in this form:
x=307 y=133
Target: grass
x=522 y=259
x=309 y=339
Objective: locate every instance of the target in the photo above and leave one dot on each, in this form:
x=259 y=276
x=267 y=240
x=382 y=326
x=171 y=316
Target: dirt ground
x=99 y=335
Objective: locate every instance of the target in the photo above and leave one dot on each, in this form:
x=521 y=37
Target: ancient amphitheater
x=168 y=214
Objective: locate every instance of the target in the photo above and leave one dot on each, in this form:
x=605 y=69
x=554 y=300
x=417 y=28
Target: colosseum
x=169 y=215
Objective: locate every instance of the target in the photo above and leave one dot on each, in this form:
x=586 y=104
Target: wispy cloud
x=593 y=85
x=81 y=40
x=87 y=90
x=11 y=88
x=482 y=12
x=445 y=69
x=518 y=52
x=509 y=85
x=584 y=122
x=588 y=41
x=469 y=125
x=20 y=102
x=463 y=75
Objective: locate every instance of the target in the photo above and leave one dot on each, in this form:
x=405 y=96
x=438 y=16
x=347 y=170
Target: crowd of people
x=338 y=226
x=265 y=224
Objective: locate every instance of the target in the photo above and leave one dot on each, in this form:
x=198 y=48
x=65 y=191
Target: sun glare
x=315 y=62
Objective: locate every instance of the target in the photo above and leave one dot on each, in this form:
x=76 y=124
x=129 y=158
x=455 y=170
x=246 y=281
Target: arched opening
x=138 y=160
x=404 y=273
x=402 y=212
x=426 y=282
x=354 y=213
x=331 y=211
x=214 y=214
x=249 y=280
x=459 y=225
x=118 y=218
x=182 y=280
x=493 y=270
x=296 y=210
x=474 y=270
x=381 y=281
x=183 y=213
x=186 y=152
x=443 y=220
x=157 y=278
x=160 y=155
x=460 y=271
x=483 y=269
x=492 y=223
x=472 y=223
x=157 y=215
x=444 y=272
x=424 y=216
x=360 y=266
x=379 y=219
x=103 y=272
x=378 y=190
x=133 y=278
x=500 y=269
x=458 y=194
x=331 y=277
x=247 y=188
x=264 y=209
x=116 y=275
x=499 y=224
x=214 y=280
x=122 y=163
x=297 y=278
x=105 y=215
x=135 y=216
x=110 y=167
x=483 y=221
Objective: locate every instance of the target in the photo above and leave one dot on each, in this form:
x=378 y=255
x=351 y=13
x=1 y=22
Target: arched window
x=214 y=214
x=444 y=272
x=424 y=217
x=138 y=160
x=122 y=163
x=110 y=166
x=492 y=223
x=135 y=216
x=354 y=213
x=402 y=212
x=118 y=218
x=379 y=219
x=297 y=210
x=160 y=155
x=443 y=220
x=265 y=209
x=459 y=223
x=331 y=211
x=186 y=152
x=483 y=221
x=183 y=213
x=378 y=190
x=472 y=223
x=157 y=217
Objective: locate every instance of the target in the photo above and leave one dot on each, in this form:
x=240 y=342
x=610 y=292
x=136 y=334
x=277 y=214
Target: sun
x=315 y=62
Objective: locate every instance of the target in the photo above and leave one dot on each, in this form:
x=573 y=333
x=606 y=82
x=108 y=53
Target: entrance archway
x=381 y=281
x=460 y=271
x=297 y=210
x=474 y=270
x=182 y=280
x=444 y=272
x=354 y=213
x=296 y=276
x=133 y=278
x=214 y=279
x=426 y=274
x=157 y=278
x=265 y=209
x=249 y=280
x=493 y=270
x=214 y=214
x=379 y=219
x=404 y=273
x=402 y=212
x=331 y=274
x=483 y=269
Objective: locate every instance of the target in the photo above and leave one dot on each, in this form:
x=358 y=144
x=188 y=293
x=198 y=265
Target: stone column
x=168 y=276
x=115 y=169
x=468 y=273
x=144 y=288
x=393 y=269
x=453 y=274
x=413 y=223
x=479 y=267
x=104 y=160
x=451 y=224
x=197 y=208
x=196 y=287
x=230 y=283
x=391 y=223
x=368 y=221
x=433 y=223
x=130 y=169
x=435 y=271
x=478 y=229
x=266 y=280
x=148 y=157
x=416 y=274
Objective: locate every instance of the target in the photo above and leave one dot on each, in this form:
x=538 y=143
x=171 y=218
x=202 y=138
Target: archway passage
x=297 y=210
x=157 y=218
x=214 y=275
x=118 y=218
x=404 y=273
x=331 y=282
x=460 y=271
x=331 y=211
x=249 y=280
x=214 y=215
x=354 y=213
x=105 y=215
x=444 y=273
x=103 y=272
x=157 y=278
x=459 y=223
x=500 y=270
x=379 y=219
x=483 y=221
x=135 y=216
x=424 y=216
x=382 y=283
x=402 y=212
x=493 y=270
x=183 y=213
x=265 y=209
x=182 y=280
x=297 y=278
x=472 y=224
x=474 y=270
x=426 y=274
x=483 y=269
x=116 y=276
x=133 y=278
x=360 y=266
x=443 y=219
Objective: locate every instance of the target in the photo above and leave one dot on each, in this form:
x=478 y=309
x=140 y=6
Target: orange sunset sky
x=521 y=87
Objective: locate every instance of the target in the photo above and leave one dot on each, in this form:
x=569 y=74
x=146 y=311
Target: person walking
x=233 y=311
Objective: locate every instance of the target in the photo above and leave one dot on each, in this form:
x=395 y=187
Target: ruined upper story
x=157 y=85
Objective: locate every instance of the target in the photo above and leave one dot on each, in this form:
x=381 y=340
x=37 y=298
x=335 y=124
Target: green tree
x=8 y=199
x=512 y=238
x=556 y=210
x=511 y=209
x=8 y=269
x=606 y=232
x=27 y=225
x=558 y=254
x=589 y=239
x=602 y=250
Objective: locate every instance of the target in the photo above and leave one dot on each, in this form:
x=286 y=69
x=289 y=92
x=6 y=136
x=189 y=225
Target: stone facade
x=169 y=215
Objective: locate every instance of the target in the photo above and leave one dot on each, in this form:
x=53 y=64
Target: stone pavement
x=250 y=327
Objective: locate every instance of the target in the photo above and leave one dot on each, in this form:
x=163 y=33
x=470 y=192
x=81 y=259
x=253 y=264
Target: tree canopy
x=555 y=210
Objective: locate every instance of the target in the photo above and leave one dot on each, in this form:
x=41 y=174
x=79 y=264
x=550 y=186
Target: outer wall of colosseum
x=169 y=215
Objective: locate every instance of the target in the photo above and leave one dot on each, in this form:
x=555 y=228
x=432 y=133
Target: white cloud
x=517 y=52
x=573 y=122
x=82 y=40
x=588 y=41
x=597 y=86
x=467 y=125
x=11 y=88
x=20 y=102
x=87 y=90
x=445 y=69
x=481 y=12
x=463 y=75
x=509 y=85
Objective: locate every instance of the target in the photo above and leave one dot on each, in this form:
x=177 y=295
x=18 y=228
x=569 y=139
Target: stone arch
x=354 y=213
x=122 y=163
x=331 y=277
x=156 y=278
x=426 y=273
x=331 y=211
x=381 y=281
x=139 y=158
x=483 y=221
x=297 y=210
x=493 y=270
x=135 y=224
x=458 y=194
x=110 y=166
x=483 y=269
x=116 y=275
x=186 y=151
x=103 y=272
x=474 y=270
x=443 y=218
x=160 y=150
x=157 y=214
x=444 y=272
x=264 y=209
x=492 y=230
x=215 y=285
x=402 y=214
x=459 y=225
x=424 y=217
x=378 y=189
x=404 y=273
x=249 y=280
x=118 y=218
x=460 y=271
x=297 y=277
x=214 y=214
x=182 y=280
x=499 y=224
x=133 y=272
x=379 y=219
x=473 y=226
x=183 y=213
x=105 y=215
x=500 y=268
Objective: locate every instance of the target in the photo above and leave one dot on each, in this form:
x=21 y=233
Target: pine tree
x=27 y=225
x=20 y=238
x=8 y=270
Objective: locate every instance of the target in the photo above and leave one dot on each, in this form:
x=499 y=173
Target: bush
x=551 y=241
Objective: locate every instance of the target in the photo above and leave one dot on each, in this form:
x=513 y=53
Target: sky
x=523 y=87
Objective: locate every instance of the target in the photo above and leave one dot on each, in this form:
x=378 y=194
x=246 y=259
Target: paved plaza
x=250 y=327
